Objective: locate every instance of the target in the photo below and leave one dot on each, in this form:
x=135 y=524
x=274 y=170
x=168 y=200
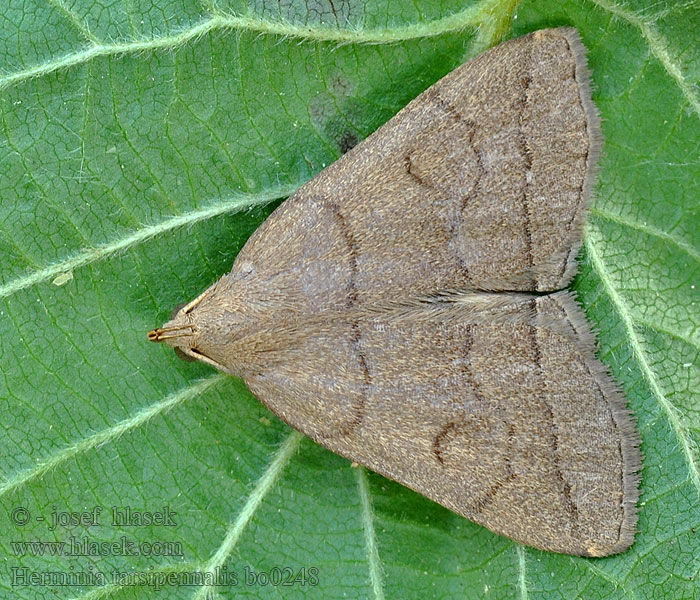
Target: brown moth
x=407 y=308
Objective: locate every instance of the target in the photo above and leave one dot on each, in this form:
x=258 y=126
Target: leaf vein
x=375 y=567
x=75 y=20
x=654 y=326
x=96 y=253
x=262 y=488
x=638 y=353
x=658 y=45
x=651 y=231
x=588 y=564
x=107 y=435
x=522 y=573
x=469 y=17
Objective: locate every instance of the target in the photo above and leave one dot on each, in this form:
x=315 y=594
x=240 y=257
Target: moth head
x=195 y=331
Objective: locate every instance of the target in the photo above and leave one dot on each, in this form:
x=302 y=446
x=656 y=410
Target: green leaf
x=143 y=142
